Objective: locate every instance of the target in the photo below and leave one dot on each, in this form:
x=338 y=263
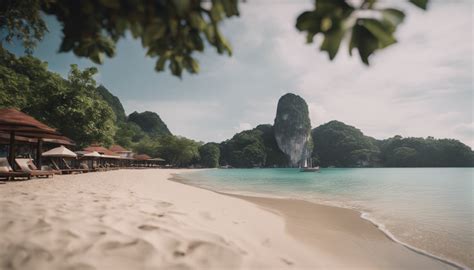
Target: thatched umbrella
x=60 y=151
x=93 y=154
x=105 y=154
x=18 y=126
x=142 y=159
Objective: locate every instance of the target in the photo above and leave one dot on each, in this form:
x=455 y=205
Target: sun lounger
x=64 y=171
x=80 y=170
x=48 y=168
x=7 y=172
x=26 y=165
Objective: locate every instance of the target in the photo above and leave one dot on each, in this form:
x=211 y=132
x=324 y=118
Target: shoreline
x=270 y=203
x=143 y=219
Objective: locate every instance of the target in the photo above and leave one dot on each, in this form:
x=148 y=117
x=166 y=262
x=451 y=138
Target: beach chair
x=72 y=170
x=48 y=168
x=27 y=165
x=63 y=171
x=7 y=172
x=85 y=168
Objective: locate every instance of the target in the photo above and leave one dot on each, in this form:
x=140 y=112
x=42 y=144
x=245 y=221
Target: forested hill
x=150 y=122
x=340 y=145
x=75 y=105
x=113 y=101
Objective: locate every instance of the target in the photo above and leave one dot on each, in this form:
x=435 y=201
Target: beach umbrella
x=142 y=157
x=60 y=151
x=92 y=154
x=101 y=150
x=156 y=159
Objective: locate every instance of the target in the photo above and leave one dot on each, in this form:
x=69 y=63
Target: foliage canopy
x=209 y=155
x=73 y=106
x=172 y=31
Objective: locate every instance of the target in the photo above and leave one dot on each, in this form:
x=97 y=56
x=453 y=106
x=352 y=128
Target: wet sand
x=351 y=242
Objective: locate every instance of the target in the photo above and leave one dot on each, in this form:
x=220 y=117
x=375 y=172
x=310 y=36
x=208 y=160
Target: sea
x=430 y=210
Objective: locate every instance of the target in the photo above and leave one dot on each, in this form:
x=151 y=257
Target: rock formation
x=293 y=128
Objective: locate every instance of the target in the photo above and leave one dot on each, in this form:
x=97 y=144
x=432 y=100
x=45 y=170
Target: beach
x=138 y=219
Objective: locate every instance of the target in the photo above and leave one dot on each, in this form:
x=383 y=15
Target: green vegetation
x=253 y=148
x=179 y=151
x=209 y=155
x=114 y=103
x=86 y=113
x=429 y=152
x=172 y=31
x=73 y=106
x=149 y=122
x=340 y=145
x=337 y=144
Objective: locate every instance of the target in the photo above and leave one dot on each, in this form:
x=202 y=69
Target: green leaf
x=423 y=4
x=210 y=33
x=196 y=20
x=394 y=16
x=197 y=41
x=66 y=45
x=160 y=64
x=365 y=42
x=216 y=10
x=97 y=57
x=111 y=3
x=230 y=7
x=182 y=6
x=136 y=29
x=191 y=65
x=153 y=32
x=176 y=67
x=174 y=27
x=308 y=21
x=326 y=24
x=222 y=44
x=332 y=42
x=380 y=31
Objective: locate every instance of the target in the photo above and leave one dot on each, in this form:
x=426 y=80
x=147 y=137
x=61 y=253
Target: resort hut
x=16 y=126
x=107 y=159
x=90 y=158
x=121 y=151
x=156 y=161
x=126 y=156
x=142 y=160
x=58 y=157
x=60 y=151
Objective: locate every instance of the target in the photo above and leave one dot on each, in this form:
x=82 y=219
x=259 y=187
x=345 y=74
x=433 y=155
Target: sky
x=422 y=86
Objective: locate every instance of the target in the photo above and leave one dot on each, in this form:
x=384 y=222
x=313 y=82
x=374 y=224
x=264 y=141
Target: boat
x=310 y=169
x=308 y=166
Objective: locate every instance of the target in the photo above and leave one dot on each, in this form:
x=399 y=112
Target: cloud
x=419 y=87
x=242 y=127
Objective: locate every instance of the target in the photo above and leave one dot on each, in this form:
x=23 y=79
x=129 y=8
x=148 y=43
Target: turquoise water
x=430 y=209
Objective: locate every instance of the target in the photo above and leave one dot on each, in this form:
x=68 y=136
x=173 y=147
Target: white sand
x=136 y=219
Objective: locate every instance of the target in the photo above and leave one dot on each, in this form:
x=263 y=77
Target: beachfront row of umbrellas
x=99 y=152
x=18 y=128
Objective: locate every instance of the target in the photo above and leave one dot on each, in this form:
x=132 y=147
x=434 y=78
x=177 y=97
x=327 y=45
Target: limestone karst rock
x=293 y=128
